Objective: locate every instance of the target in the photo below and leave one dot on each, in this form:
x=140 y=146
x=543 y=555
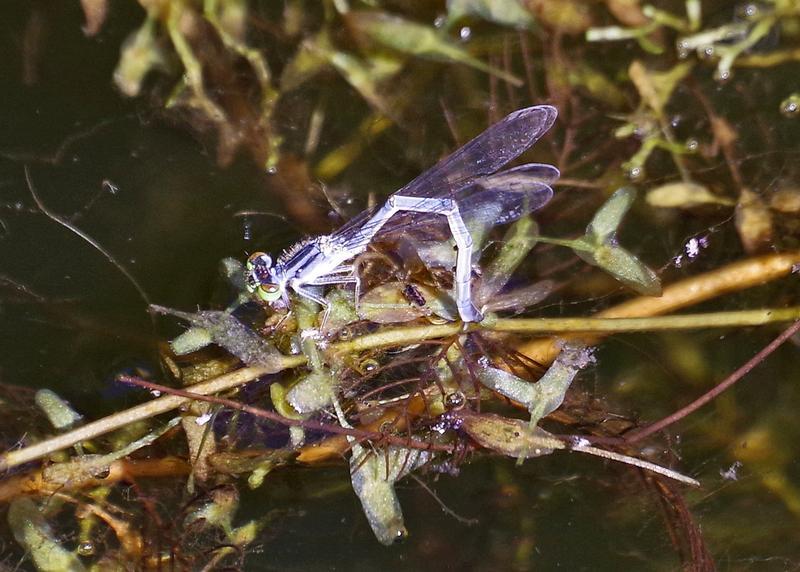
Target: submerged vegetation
x=689 y=106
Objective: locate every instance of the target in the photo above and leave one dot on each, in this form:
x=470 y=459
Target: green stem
x=573 y=244
x=743 y=318
x=392 y=337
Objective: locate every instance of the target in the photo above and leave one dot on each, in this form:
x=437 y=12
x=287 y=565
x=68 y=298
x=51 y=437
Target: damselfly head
x=261 y=278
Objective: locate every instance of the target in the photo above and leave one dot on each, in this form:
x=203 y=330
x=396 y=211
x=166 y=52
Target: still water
x=150 y=191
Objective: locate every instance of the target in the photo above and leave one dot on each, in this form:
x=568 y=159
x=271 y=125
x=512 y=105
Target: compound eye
x=259 y=259
x=269 y=292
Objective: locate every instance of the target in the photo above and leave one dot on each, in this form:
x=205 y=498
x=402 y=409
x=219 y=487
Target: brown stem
x=639 y=434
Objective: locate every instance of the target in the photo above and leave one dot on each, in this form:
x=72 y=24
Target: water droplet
x=272 y=170
x=401 y=534
x=791 y=106
x=705 y=52
x=247 y=229
x=86 y=548
x=465 y=33
x=635 y=173
x=440 y=21
x=455 y=400
x=748 y=11
x=722 y=75
x=675 y=120
x=692 y=145
x=369 y=365
x=683 y=50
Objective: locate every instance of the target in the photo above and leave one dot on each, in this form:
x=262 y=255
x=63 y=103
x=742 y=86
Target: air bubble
x=705 y=52
x=369 y=366
x=748 y=11
x=455 y=400
x=400 y=535
x=722 y=75
x=86 y=548
x=635 y=173
x=247 y=229
x=691 y=145
x=465 y=33
x=791 y=106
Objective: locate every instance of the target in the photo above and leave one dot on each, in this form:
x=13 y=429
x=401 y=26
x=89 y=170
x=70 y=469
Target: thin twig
x=81 y=234
x=446 y=509
x=724 y=385
x=358 y=434
x=137 y=413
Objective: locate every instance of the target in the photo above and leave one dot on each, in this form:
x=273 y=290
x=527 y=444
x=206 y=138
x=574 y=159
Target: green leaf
x=224 y=330
x=606 y=220
x=504 y=12
x=312 y=392
x=58 y=411
x=656 y=88
x=310 y=59
x=365 y=75
x=684 y=195
x=625 y=267
x=597 y=84
x=417 y=40
x=547 y=394
x=510 y=437
x=373 y=475
x=36 y=536
x=142 y=52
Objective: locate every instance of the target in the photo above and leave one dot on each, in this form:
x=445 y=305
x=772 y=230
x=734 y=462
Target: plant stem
x=639 y=434
x=137 y=413
x=736 y=276
x=741 y=318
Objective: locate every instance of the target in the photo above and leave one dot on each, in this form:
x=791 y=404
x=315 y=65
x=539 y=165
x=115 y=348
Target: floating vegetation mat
x=591 y=297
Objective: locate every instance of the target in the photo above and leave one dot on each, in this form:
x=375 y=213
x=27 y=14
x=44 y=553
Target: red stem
x=639 y=434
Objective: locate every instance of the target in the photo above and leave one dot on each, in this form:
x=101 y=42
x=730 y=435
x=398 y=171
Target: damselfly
x=465 y=184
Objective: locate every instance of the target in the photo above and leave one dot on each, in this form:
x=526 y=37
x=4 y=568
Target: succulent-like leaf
x=504 y=12
x=373 y=479
x=418 y=40
x=510 y=437
x=625 y=267
x=684 y=195
x=607 y=219
x=655 y=88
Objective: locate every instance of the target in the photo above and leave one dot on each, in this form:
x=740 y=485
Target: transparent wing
x=497 y=199
x=491 y=150
x=469 y=176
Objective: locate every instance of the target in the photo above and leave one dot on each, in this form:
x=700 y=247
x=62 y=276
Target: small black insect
x=413 y=295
